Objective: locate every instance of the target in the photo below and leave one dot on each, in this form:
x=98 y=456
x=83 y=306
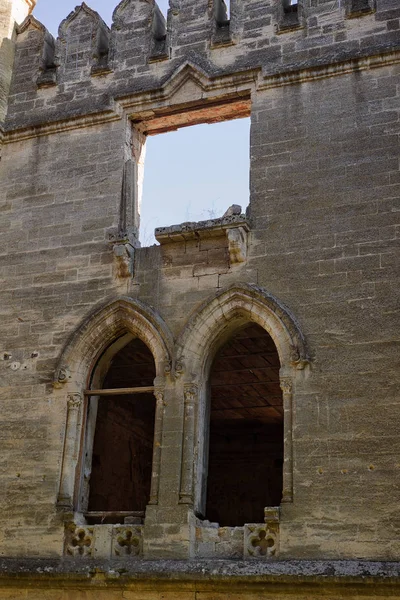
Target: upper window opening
x=222 y=12
x=121 y=461
x=163 y=5
x=194 y=174
x=246 y=429
x=290 y=6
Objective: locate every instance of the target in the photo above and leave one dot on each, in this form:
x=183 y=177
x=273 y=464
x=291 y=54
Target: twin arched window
x=243 y=445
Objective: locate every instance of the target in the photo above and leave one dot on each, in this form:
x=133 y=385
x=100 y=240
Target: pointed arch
x=214 y=321
x=103 y=333
x=102 y=328
x=206 y=331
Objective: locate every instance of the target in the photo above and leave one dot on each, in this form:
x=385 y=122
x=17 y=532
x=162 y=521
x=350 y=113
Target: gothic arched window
x=117 y=468
x=246 y=429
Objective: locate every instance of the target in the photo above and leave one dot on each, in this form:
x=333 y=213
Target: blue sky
x=52 y=12
x=191 y=174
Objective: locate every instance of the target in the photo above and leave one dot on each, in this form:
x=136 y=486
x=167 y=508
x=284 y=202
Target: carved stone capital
x=190 y=392
x=74 y=401
x=159 y=395
x=65 y=504
x=286 y=385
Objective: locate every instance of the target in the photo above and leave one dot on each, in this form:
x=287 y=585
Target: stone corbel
x=124 y=254
x=237 y=245
x=61 y=377
x=297 y=361
x=70 y=452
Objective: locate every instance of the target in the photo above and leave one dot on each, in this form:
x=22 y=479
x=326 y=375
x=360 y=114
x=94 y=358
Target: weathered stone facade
x=313 y=263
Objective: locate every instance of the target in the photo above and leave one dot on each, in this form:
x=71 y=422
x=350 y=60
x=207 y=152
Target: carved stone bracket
x=191 y=393
x=124 y=253
x=62 y=377
x=237 y=245
x=300 y=363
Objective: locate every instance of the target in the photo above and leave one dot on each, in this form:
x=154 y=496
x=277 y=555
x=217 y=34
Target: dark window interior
x=360 y=6
x=246 y=430
x=123 y=444
x=289 y=6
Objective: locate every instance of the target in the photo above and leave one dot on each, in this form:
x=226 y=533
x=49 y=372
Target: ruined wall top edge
x=90 y=65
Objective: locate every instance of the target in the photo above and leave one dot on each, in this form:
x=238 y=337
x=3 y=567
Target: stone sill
x=200 y=230
x=234 y=226
x=356 y=14
x=208 y=573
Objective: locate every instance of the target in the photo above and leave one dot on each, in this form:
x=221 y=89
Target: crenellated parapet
x=82 y=45
x=36 y=48
x=12 y=12
x=139 y=33
x=90 y=65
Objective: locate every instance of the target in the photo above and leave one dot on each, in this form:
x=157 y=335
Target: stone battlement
x=91 y=65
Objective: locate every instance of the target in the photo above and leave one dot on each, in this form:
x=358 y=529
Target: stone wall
x=11 y=13
x=319 y=243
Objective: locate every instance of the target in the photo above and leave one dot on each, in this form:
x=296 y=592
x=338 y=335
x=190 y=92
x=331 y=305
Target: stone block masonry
x=314 y=263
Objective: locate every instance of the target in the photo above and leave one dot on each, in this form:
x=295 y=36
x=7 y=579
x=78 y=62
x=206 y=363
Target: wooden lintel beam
x=120 y=391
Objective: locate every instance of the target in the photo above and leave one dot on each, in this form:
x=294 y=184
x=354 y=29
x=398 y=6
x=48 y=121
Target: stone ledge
x=200 y=230
x=120 y=573
x=89 y=111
